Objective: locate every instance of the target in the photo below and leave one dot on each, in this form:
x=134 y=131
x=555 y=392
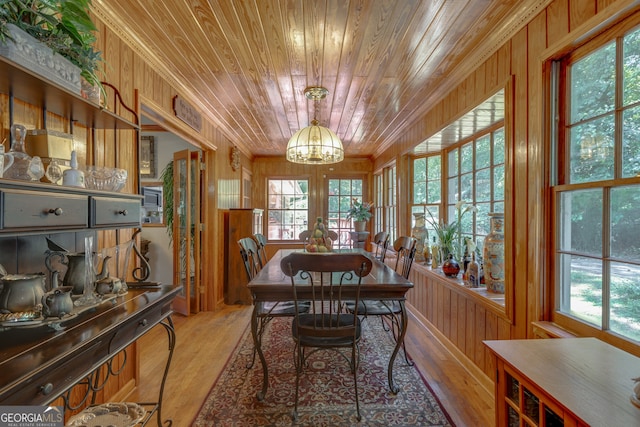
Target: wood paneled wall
x=459 y=318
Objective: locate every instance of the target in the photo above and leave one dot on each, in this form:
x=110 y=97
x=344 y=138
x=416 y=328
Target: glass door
x=341 y=192
x=187 y=230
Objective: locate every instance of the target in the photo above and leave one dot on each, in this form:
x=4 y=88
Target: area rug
x=326 y=388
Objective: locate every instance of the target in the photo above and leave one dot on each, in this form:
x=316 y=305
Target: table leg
x=256 y=332
x=399 y=342
x=171 y=336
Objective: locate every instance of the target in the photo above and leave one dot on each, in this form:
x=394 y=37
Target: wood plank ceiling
x=247 y=62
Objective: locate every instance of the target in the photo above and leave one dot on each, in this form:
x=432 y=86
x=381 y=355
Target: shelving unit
x=563 y=382
x=29 y=210
x=28 y=87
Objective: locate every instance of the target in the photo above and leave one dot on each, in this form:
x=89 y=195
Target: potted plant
x=450 y=235
x=360 y=212
x=64 y=26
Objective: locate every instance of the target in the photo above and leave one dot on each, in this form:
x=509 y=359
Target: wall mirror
x=152 y=204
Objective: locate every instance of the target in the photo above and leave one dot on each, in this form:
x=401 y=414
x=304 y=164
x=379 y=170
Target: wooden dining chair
x=333 y=235
x=250 y=249
x=326 y=326
x=381 y=240
x=304 y=236
x=250 y=256
x=261 y=241
x=405 y=248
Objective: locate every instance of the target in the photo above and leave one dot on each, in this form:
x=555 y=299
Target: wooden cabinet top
x=590 y=378
x=30 y=88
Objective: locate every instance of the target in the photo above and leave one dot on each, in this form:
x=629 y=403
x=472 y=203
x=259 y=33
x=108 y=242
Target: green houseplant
x=360 y=212
x=450 y=235
x=63 y=25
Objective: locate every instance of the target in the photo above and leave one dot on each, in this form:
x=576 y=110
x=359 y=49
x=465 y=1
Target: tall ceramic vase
x=493 y=254
x=419 y=231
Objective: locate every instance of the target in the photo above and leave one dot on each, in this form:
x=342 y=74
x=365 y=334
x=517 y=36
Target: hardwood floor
x=205 y=342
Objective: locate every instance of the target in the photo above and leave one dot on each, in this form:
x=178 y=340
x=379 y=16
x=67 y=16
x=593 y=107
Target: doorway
x=159 y=232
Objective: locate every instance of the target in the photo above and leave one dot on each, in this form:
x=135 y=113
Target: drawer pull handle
x=46 y=389
x=143 y=322
x=123 y=212
x=56 y=211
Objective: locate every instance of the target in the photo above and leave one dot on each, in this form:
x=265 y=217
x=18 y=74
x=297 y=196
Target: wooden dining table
x=271 y=286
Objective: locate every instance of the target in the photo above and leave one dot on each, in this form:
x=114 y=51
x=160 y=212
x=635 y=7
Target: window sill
x=491 y=300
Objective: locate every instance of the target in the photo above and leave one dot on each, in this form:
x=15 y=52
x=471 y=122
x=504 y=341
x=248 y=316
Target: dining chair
x=333 y=235
x=304 y=236
x=381 y=240
x=250 y=249
x=250 y=256
x=405 y=248
x=326 y=326
x=261 y=241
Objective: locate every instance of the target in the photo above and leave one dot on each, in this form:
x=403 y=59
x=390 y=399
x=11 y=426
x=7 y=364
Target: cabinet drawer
x=40 y=210
x=133 y=330
x=46 y=384
x=112 y=211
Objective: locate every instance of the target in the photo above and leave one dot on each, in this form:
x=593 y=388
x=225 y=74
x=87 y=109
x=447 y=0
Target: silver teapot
x=76 y=269
x=21 y=292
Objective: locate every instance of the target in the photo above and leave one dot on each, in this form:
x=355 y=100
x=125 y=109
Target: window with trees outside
x=475 y=174
x=596 y=188
x=427 y=189
x=341 y=193
x=390 y=201
x=288 y=211
x=378 y=203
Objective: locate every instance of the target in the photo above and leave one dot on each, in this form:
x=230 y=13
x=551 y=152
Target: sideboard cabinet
x=40 y=364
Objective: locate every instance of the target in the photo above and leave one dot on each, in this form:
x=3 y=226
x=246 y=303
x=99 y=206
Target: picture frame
x=147 y=157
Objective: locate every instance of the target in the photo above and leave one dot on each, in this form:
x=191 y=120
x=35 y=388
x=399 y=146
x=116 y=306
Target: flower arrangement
x=359 y=211
x=450 y=235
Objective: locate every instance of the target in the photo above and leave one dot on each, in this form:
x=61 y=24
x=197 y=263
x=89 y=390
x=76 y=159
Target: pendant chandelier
x=315 y=144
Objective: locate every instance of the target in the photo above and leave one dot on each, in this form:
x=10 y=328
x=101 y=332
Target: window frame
x=560 y=141
x=268 y=209
x=477 y=233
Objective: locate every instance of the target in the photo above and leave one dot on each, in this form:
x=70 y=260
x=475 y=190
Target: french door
x=187 y=230
x=340 y=194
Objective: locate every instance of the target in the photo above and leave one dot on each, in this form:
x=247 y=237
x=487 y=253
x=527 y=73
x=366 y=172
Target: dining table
x=271 y=287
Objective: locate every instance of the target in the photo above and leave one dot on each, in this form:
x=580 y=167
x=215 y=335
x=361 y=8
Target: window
x=390 y=203
x=597 y=191
x=475 y=174
x=288 y=213
x=427 y=188
x=378 y=203
x=341 y=192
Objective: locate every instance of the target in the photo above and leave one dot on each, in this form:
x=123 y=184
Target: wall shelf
x=30 y=88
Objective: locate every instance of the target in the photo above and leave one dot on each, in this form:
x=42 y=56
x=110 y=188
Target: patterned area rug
x=326 y=388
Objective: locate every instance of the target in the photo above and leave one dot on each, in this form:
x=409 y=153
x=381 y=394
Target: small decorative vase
x=493 y=254
x=450 y=267
x=359 y=226
x=419 y=231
